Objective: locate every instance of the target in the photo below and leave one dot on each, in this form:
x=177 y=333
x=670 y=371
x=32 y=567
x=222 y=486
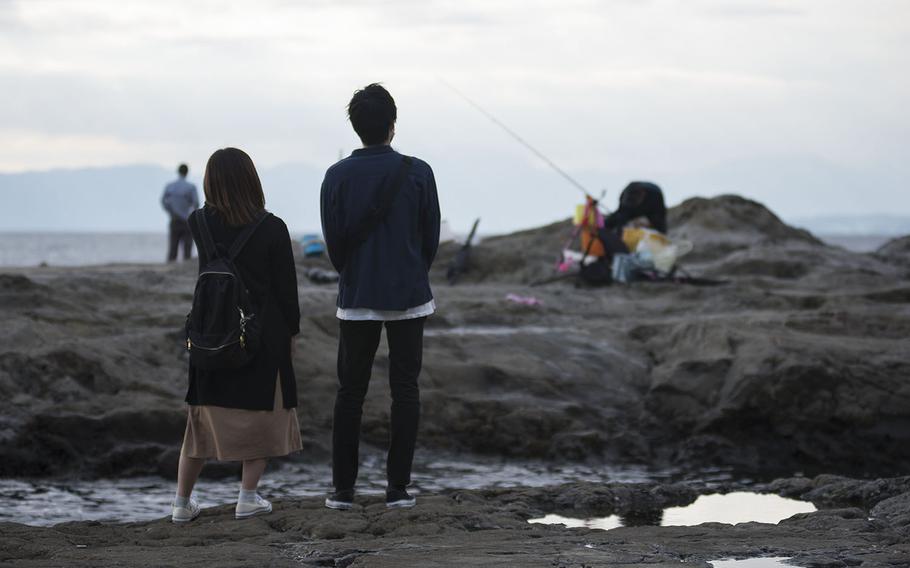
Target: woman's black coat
x=266 y=265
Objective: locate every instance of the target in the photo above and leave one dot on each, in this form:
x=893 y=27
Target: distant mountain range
x=126 y=198
x=885 y=224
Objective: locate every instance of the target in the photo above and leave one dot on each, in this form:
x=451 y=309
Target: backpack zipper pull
x=189 y=344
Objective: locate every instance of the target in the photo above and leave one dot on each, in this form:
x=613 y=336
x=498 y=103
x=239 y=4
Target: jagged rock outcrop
x=799 y=363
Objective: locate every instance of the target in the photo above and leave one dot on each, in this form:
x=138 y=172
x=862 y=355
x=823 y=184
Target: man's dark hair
x=372 y=113
x=183 y=169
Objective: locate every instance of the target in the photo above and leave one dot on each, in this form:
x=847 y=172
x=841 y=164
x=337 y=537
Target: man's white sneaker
x=259 y=507
x=186 y=514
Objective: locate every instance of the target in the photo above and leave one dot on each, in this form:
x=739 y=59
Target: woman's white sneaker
x=250 y=509
x=187 y=513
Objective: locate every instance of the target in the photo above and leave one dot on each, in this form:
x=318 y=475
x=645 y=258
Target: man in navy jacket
x=384 y=280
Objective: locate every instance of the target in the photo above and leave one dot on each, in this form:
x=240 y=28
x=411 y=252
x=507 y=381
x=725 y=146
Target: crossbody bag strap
x=379 y=212
x=243 y=237
x=205 y=234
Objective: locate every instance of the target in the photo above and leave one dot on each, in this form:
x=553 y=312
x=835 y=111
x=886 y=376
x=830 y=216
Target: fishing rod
x=593 y=201
x=520 y=140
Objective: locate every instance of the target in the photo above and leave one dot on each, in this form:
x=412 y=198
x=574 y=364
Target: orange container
x=597 y=247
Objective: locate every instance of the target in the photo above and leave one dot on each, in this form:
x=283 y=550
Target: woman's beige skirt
x=230 y=434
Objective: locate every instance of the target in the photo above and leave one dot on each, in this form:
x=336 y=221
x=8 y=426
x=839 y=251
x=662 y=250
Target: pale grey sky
x=800 y=104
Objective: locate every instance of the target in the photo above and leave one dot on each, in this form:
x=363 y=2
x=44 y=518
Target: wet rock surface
x=798 y=364
x=802 y=356
x=488 y=528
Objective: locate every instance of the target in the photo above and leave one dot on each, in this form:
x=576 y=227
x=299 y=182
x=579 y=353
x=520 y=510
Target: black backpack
x=222 y=328
x=597 y=273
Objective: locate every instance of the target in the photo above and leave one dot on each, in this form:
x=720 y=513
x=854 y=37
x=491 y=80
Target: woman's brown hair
x=232 y=186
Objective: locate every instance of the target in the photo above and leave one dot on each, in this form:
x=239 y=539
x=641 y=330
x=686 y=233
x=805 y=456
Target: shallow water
x=491 y=330
x=736 y=507
x=731 y=508
x=47 y=502
x=72 y=249
x=776 y=562
x=769 y=562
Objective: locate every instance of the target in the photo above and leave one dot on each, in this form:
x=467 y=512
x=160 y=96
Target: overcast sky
x=801 y=104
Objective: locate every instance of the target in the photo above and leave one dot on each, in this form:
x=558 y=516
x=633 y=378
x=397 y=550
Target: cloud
x=25 y=150
x=608 y=89
x=749 y=9
x=9 y=16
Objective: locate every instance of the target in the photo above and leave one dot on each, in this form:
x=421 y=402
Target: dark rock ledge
x=860 y=523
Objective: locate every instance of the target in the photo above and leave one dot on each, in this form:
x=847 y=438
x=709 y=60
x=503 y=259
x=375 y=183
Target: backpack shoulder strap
x=208 y=243
x=243 y=237
x=379 y=212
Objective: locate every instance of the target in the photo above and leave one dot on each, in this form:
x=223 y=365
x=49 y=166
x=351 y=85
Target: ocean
x=76 y=249
x=81 y=249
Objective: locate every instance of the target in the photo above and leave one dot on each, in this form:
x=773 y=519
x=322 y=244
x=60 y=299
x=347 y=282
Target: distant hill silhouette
x=884 y=224
x=508 y=189
x=126 y=198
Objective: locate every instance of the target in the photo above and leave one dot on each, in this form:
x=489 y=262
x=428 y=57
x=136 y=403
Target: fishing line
x=520 y=140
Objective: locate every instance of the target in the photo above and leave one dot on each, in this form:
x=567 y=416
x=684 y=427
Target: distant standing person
x=180 y=198
x=380 y=219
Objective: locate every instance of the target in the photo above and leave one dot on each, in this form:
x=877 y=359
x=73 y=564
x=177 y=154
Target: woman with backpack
x=242 y=392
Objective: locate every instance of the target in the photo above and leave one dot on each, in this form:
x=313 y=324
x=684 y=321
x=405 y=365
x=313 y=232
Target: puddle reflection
x=736 y=507
x=729 y=508
x=492 y=330
x=777 y=562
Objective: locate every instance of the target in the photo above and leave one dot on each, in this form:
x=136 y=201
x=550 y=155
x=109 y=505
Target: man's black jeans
x=356 y=350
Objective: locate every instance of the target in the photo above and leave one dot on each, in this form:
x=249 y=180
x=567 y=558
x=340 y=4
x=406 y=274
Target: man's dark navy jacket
x=390 y=270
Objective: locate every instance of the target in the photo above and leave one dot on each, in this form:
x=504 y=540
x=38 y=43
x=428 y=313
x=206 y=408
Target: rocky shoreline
x=801 y=356
x=797 y=366
x=859 y=523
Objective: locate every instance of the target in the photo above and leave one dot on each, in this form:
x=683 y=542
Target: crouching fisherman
x=641 y=204
x=242 y=392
